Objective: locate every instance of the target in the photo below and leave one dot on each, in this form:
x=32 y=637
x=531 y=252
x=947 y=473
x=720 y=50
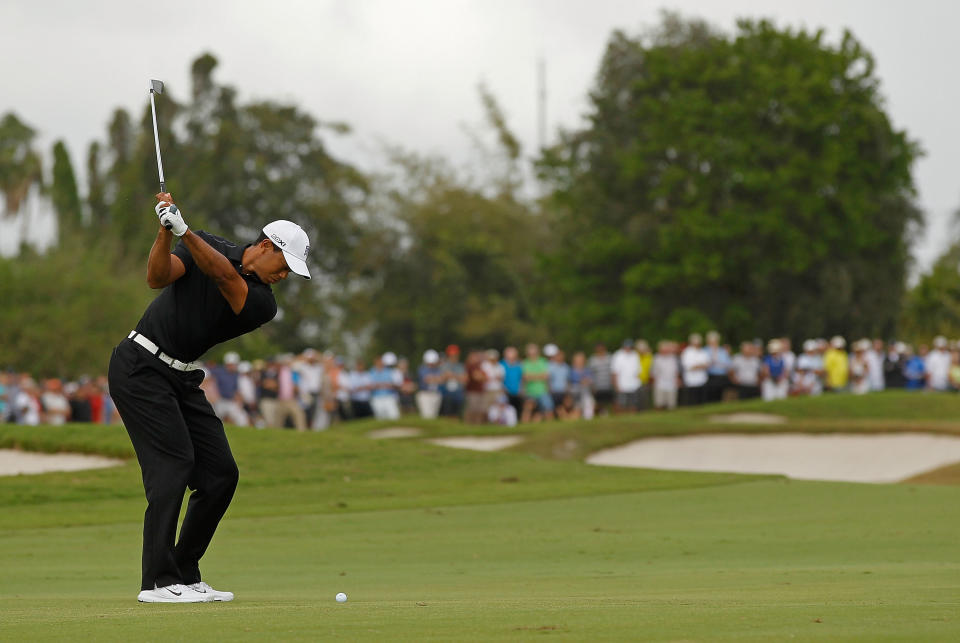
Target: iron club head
x=156 y=86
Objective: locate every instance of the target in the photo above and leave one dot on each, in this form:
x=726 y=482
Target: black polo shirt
x=191 y=315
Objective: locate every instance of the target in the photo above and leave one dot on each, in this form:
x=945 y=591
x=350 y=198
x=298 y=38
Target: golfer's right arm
x=163 y=267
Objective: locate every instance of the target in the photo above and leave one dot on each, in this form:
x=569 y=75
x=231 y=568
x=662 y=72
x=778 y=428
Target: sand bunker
x=16 y=462
x=748 y=418
x=479 y=443
x=394 y=432
x=839 y=457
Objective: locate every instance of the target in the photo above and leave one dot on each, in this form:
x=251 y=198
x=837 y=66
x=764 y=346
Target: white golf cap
x=231 y=358
x=550 y=350
x=431 y=356
x=389 y=359
x=290 y=238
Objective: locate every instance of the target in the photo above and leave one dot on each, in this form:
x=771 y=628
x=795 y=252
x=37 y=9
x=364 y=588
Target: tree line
x=750 y=182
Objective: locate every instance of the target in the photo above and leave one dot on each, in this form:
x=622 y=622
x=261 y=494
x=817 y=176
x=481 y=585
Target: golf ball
x=341 y=598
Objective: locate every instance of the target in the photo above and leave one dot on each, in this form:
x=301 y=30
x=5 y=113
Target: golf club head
x=156 y=86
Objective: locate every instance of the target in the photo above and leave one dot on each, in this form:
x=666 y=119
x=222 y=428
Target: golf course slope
x=531 y=543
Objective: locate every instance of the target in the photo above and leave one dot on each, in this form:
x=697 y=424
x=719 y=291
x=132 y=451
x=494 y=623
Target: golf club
x=156 y=87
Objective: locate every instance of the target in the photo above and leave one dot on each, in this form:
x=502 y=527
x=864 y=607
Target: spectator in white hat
x=694 y=361
x=430 y=379
x=807 y=377
x=860 y=368
x=745 y=371
x=775 y=384
x=837 y=365
x=229 y=404
x=625 y=372
x=938 y=365
x=874 y=355
x=385 y=387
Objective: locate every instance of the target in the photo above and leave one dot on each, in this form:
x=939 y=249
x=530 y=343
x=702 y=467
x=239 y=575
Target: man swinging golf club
x=213 y=291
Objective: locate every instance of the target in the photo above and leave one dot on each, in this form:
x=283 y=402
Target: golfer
x=212 y=291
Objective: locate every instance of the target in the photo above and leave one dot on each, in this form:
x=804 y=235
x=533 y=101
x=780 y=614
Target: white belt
x=163 y=357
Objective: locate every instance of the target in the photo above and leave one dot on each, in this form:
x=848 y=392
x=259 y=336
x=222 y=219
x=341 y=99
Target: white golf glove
x=171 y=219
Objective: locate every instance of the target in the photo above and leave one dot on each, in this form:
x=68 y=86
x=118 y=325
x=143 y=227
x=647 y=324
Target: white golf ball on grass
x=341 y=598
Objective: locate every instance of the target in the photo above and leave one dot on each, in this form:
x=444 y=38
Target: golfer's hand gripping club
x=169 y=214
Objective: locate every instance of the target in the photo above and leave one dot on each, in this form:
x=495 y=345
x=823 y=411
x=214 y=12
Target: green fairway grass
x=440 y=544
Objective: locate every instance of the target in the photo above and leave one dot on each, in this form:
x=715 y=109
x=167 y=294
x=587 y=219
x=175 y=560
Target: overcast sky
x=406 y=71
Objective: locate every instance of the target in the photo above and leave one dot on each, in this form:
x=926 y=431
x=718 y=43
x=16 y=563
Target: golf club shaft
x=156 y=140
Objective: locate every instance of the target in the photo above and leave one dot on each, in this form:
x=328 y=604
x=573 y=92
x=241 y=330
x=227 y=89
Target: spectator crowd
x=313 y=390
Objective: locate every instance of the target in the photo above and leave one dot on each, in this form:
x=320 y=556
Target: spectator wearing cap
x=310 y=379
x=475 y=410
x=537 y=404
x=860 y=368
x=625 y=371
x=599 y=365
x=744 y=371
x=493 y=386
x=454 y=380
x=513 y=377
x=247 y=392
x=646 y=366
x=893 y=363
x=836 y=363
x=717 y=369
x=361 y=387
x=558 y=378
x=874 y=355
x=581 y=383
x=56 y=406
x=287 y=407
x=26 y=402
x=384 y=387
x=229 y=405
x=666 y=376
x=938 y=365
x=775 y=378
x=807 y=377
x=915 y=368
x=430 y=380
x=694 y=362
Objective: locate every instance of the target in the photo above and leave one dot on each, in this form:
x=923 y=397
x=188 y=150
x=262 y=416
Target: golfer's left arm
x=218 y=267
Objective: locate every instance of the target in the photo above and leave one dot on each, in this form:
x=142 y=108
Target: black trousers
x=180 y=443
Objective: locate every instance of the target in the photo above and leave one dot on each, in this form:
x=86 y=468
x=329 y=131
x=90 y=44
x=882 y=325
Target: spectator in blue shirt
x=915 y=369
x=385 y=385
x=558 y=375
x=513 y=377
x=719 y=367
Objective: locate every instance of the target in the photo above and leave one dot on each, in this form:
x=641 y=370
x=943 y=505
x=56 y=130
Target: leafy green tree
x=450 y=264
x=63 y=312
x=750 y=182
x=96 y=198
x=20 y=165
x=63 y=191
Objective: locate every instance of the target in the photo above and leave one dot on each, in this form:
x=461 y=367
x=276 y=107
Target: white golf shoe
x=174 y=594
x=203 y=588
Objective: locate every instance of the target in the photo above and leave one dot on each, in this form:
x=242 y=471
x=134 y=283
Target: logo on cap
x=278 y=240
x=306 y=249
